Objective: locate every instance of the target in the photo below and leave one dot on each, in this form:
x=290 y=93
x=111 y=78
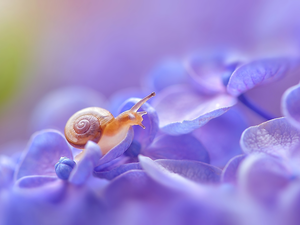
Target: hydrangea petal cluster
x=212 y=83
x=180 y=169
x=291 y=105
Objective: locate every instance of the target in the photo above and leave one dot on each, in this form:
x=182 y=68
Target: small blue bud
x=64 y=168
x=134 y=149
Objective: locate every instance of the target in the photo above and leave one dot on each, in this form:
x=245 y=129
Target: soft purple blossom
x=208 y=167
x=291 y=105
x=211 y=84
x=275 y=137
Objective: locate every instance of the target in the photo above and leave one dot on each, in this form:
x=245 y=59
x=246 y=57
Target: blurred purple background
x=111 y=45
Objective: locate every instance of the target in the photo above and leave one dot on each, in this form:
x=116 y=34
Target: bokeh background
x=111 y=45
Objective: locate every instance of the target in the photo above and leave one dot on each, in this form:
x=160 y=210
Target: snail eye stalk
x=136 y=107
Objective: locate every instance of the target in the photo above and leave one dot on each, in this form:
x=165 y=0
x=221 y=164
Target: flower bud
x=64 y=168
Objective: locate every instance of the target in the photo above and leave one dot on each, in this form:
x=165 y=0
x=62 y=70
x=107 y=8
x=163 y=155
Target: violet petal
x=229 y=174
x=184 y=147
x=7 y=169
x=291 y=105
x=171 y=180
x=44 y=150
x=193 y=170
x=256 y=73
x=206 y=72
x=135 y=185
x=112 y=164
x=111 y=174
x=35 y=181
x=181 y=110
x=41 y=188
x=167 y=73
x=85 y=167
x=119 y=149
x=227 y=130
x=276 y=137
x=263 y=177
x=290 y=203
x=150 y=121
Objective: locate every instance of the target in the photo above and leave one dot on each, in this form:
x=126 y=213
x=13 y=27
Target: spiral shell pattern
x=87 y=125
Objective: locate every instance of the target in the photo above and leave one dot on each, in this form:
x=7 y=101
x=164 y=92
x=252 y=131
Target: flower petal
x=192 y=170
x=227 y=129
x=85 y=167
x=166 y=73
x=44 y=150
x=7 y=169
x=276 y=137
x=229 y=174
x=256 y=73
x=35 y=181
x=150 y=121
x=168 y=179
x=206 y=71
x=181 y=110
x=289 y=204
x=177 y=147
x=119 y=149
x=291 y=105
x=58 y=106
x=111 y=174
x=263 y=177
x=135 y=185
x=41 y=188
x=112 y=164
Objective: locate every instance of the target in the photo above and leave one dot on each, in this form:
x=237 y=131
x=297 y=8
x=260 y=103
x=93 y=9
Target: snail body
x=99 y=125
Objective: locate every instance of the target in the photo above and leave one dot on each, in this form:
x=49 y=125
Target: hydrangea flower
x=208 y=86
x=153 y=177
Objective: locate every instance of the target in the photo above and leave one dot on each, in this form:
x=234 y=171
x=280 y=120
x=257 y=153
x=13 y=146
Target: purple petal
x=193 y=170
x=184 y=147
x=44 y=150
x=113 y=163
x=229 y=174
x=294 y=160
x=35 y=181
x=41 y=188
x=276 y=137
x=206 y=72
x=168 y=179
x=263 y=177
x=290 y=203
x=291 y=105
x=58 y=106
x=167 y=73
x=119 y=149
x=181 y=110
x=257 y=73
x=227 y=130
x=135 y=185
x=85 y=167
x=150 y=121
x=111 y=174
x=7 y=169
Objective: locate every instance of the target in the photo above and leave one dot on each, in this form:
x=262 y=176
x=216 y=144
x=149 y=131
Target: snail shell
x=87 y=125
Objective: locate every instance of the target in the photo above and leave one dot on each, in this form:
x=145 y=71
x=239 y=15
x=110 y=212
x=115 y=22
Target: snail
x=99 y=125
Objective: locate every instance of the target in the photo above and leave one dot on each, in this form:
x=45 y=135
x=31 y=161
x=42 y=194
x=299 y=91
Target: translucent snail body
x=99 y=125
